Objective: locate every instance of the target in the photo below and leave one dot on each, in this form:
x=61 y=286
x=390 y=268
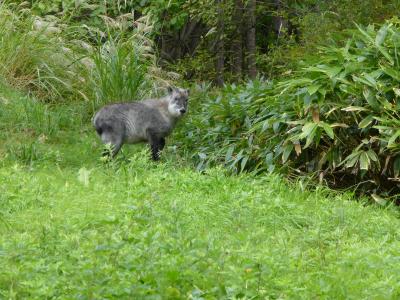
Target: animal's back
x=136 y=118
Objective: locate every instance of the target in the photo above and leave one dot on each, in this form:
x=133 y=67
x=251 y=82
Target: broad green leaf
x=316 y=138
x=296 y=122
x=367 y=37
x=312 y=89
x=386 y=55
x=348 y=89
x=286 y=152
x=354 y=108
x=243 y=163
x=372 y=155
x=381 y=35
x=379 y=199
x=376 y=74
x=275 y=126
x=341 y=125
x=352 y=67
x=366 y=121
x=351 y=156
x=307 y=100
x=328 y=129
x=310 y=137
x=370 y=79
x=228 y=156
x=328 y=70
x=382 y=128
x=342 y=80
x=391 y=72
x=371 y=99
x=294 y=129
x=307 y=129
x=393 y=138
x=364 y=161
x=294 y=83
x=323 y=92
x=347 y=47
x=352 y=159
x=363 y=80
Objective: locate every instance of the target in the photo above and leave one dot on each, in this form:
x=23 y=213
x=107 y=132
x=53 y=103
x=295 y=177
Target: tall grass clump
x=35 y=57
x=337 y=119
x=60 y=61
x=125 y=65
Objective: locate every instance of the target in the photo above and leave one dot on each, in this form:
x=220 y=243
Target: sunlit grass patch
x=139 y=229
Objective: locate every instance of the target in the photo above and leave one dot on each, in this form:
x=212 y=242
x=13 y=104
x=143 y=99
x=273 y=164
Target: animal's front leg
x=156 y=144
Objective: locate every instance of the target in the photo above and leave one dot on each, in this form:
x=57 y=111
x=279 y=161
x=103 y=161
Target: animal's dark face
x=178 y=101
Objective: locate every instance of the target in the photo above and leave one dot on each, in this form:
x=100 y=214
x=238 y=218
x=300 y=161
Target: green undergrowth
x=335 y=118
x=72 y=227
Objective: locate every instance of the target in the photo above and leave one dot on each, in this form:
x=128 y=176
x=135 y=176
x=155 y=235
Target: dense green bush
x=347 y=109
x=337 y=119
x=219 y=129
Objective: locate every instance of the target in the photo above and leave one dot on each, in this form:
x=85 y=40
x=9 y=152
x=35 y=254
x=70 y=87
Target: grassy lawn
x=72 y=227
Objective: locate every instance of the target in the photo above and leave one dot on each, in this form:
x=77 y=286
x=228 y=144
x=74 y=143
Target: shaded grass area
x=72 y=227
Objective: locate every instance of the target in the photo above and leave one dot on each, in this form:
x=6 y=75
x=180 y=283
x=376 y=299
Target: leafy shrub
x=219 y=131
x=337 y=118
x=347 y=109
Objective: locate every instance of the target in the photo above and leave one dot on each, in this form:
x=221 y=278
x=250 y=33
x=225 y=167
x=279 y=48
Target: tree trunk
x=251 y=38
x=220 y=51
x=237 y=43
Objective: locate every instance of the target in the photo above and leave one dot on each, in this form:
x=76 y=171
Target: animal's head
x=178 y=101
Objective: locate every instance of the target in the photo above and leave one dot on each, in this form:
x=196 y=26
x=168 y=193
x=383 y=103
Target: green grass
x=72 y=227
x=62 y=62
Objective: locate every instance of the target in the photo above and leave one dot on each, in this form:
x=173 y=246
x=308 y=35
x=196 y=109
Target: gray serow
x=150 y=121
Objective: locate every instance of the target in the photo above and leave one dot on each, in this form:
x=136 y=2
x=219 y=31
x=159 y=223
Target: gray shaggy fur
x=145 y=121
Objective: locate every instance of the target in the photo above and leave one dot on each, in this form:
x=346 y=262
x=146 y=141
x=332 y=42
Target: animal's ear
x=170 y=89
x=187 y=92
